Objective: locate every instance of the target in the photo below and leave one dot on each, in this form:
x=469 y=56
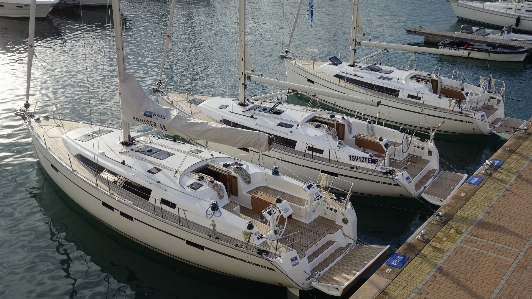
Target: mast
x=241 y=52
x=117 y=19
x=167 y=41
x=294 y=26
x=31 y=37
x=354 y=23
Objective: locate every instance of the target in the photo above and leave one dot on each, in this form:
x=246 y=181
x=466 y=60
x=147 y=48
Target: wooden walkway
x=482 y=248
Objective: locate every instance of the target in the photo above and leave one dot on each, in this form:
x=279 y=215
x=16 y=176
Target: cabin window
x=315 y=150
x=411 y=96
x=137 y=189
x=285 y=125
x=198 y=246
x=223 y=106
x=154 y=170
x=391 y=91
x=130 y=218
x=236 y=125
x=285 y=141
x=196 y=151
x=385 y=78
x=108 y=206
x=168 y=203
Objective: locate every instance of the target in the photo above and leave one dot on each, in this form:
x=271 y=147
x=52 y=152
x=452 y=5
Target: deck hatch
x=154 y=170
x=285 y=125
x=151 y=151
x=195 y=186
x=93 y=134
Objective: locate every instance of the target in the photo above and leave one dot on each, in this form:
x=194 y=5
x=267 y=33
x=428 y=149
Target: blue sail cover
x=310 y=12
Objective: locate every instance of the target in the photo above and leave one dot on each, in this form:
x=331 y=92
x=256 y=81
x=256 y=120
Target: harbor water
x=51 y=248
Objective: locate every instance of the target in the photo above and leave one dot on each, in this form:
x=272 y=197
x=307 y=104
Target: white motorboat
x=412 y=99
x=493 y=52
x=505 y=33
x=375 y=159
x=21 y=8
x=199 y=206
x=515 y=13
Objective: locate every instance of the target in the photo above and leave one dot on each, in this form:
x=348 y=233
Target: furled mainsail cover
x=137 y=107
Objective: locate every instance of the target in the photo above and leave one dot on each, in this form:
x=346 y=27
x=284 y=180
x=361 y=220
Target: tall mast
x=294 y=25
x=167 y=41
x=241 y=52
x=31 y=37
x=117 y=19
x=354 y=30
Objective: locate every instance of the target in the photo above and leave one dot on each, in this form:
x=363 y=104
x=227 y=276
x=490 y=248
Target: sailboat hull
x=145 y=228
x=495 y=13
x=22 y=10
x=391 y=111
x=307 y=168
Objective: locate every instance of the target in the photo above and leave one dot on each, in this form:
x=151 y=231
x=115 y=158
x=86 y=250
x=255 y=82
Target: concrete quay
x=482 y=247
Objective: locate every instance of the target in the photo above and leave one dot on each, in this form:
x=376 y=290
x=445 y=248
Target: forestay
x=137 y=107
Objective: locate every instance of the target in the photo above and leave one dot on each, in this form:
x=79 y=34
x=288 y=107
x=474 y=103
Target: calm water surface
x=50 y=248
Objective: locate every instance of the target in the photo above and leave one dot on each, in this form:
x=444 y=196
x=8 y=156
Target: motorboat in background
x=504 y=34
x=515 y=13
x=494 y=52
x=409 y=98
x=21 y=8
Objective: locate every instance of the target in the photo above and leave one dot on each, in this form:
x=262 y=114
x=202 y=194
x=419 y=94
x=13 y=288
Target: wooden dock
x=436 y=36
x=481 y=249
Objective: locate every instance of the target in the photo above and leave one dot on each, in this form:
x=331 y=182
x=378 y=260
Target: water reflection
x=90 y=249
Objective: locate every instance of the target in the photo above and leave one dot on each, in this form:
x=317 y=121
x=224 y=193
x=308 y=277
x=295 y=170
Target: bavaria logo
x=294 y=261
x=148 y=113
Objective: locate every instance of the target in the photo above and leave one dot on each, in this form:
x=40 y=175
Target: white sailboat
x=374 y=159
x=411 y=99
x=517 y=13
x=200 y=207
x=21 y=8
